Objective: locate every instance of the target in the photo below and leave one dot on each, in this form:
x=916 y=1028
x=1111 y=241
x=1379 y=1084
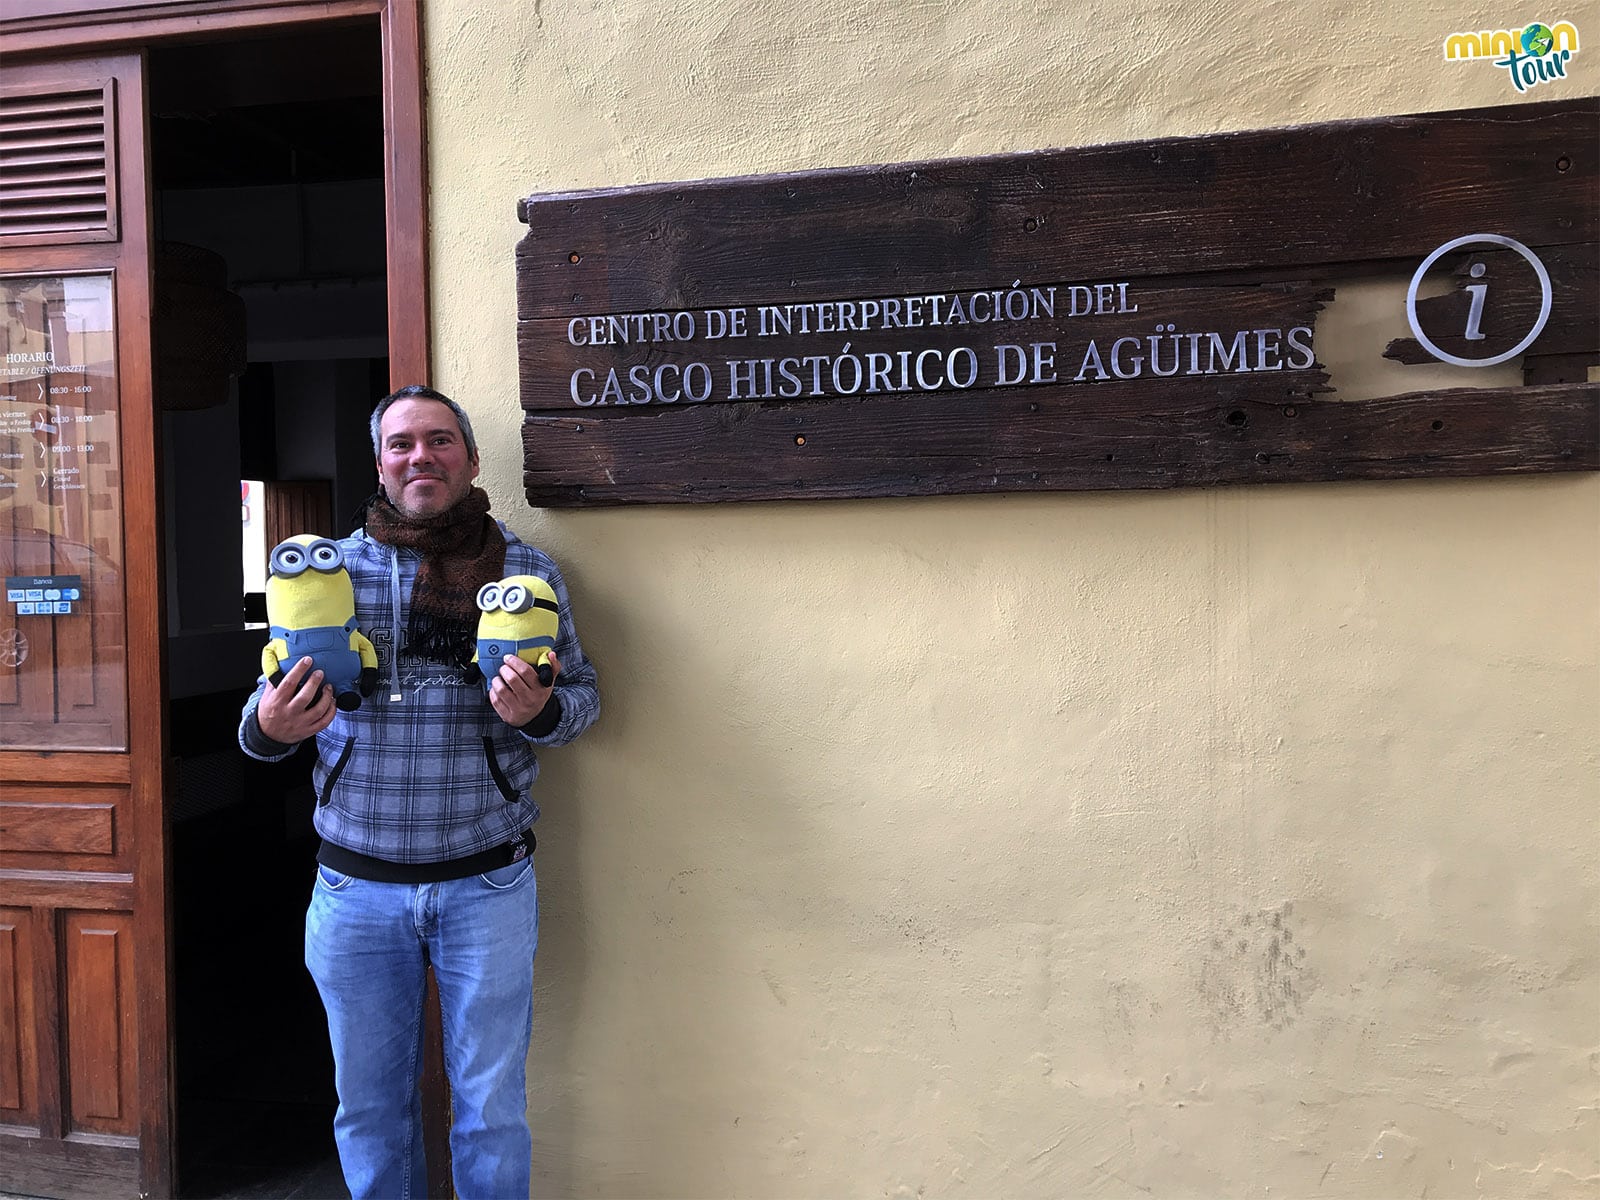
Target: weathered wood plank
x=1350 y=191
x=1107 y=436
x=1557 y=368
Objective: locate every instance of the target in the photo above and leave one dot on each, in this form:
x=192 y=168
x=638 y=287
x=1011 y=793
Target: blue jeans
x=367 y=946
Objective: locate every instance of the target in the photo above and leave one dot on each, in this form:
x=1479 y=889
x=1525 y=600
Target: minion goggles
x=291 y=558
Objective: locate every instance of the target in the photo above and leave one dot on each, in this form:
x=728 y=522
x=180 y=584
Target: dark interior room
x=271 y=347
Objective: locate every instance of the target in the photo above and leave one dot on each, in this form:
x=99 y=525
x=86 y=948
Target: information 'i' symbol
x=1478 y=292
x=1475 y=312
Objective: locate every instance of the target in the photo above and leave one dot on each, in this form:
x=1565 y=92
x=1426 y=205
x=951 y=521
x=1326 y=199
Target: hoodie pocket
x=335 y=771
x=500 y=781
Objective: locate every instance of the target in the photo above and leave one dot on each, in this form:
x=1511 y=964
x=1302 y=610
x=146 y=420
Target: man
x=425 y=817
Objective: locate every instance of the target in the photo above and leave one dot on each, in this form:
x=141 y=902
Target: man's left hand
x=516 y=693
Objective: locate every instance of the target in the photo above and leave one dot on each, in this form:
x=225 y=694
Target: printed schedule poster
x=62 y=628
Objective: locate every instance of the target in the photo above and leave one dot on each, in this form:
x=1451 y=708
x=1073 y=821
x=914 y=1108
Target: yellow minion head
x=518 y=615
x=309 y=586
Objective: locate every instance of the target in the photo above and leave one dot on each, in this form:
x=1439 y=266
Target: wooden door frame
x=136 y=885
x=36 y=30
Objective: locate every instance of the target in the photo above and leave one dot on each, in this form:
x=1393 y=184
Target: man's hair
x=416 y=391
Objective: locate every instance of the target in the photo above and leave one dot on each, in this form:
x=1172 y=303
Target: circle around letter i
x=1478 y=291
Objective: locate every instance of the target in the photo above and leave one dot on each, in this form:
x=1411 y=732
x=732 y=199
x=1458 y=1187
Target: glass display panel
x=63 y=668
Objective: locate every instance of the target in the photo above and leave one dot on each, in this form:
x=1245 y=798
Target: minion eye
x=325 y=556
x=516 y=599
x=289 y=559
x=489 y=597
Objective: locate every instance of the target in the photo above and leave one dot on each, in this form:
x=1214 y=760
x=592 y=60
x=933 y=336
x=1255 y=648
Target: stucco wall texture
x=1209 y=843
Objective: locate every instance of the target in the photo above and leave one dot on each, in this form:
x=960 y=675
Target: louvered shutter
x=57 y=165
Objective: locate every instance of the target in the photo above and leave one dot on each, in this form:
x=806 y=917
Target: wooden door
x=85 y=1068
x=298 y=506
x=86 y=1089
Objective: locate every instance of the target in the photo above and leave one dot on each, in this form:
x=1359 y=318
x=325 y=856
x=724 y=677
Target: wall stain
x=1123 y=1007
x=1253 y=970
x=772 y=986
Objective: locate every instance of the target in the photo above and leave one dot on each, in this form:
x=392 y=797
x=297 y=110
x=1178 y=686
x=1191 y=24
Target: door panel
x=85 y=1071
x=19 y=1063
x=98 y=983
x=40 y=820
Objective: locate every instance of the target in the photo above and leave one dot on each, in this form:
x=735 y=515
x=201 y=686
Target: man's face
x=423 y=464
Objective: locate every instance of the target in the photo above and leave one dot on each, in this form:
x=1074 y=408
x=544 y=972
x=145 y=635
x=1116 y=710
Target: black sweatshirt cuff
x=259 y=743
x=545 y=723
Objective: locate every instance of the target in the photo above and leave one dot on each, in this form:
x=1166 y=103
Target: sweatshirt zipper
x=395 y=696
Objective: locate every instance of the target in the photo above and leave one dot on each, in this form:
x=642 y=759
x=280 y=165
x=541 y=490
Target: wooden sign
x=1129 y=316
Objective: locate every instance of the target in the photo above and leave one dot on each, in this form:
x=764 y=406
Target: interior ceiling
x=298 y=108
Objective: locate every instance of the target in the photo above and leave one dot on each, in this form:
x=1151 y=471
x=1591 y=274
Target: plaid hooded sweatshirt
x=434 y=775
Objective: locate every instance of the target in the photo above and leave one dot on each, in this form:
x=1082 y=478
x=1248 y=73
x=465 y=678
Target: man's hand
x=298 y=707
x=516 y=693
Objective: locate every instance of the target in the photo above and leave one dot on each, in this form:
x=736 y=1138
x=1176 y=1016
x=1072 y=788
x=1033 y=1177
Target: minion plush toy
x=519 y=617
x=311 y=607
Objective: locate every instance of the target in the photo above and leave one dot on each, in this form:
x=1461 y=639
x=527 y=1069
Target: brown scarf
x=462 y=549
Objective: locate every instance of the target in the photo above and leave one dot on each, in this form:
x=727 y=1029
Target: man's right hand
x=298 y=707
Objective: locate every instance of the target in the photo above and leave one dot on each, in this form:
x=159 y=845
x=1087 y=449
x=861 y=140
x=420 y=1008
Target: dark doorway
x=271 y=345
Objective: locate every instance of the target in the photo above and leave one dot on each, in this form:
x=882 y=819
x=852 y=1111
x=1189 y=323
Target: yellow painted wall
x=1211 y=843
